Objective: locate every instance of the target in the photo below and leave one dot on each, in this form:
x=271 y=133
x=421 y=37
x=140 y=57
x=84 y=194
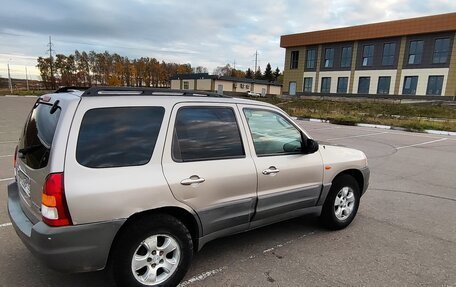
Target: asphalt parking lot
x=404 y=233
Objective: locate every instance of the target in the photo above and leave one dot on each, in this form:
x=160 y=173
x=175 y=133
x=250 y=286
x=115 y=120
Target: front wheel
x=153 y=251
x=342 y=203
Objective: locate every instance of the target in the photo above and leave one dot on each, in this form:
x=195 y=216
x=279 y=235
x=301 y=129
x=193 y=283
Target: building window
x=311 y=58
x=342 y=85
x=363 y=85
x=383 y=85
x=368 y=55
x=410 y=85
x=325 y=85
x=441 y=51
x=308 y=84
x=294 y=60
x=415 y=52
x=346 y=58
x=329 y=57
x=247 y=87
x=186 y=85
x=434 y=87
x=242 y=86
x=389 y=50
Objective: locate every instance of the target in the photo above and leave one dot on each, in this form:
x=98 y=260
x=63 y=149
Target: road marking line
x=6 y=179
x=358 y=136
x=8 y=155
x=8 y=142
x=6 y=224
x=202 y=276
x=420 y=144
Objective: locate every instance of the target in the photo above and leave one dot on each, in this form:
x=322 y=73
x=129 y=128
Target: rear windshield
x=38 y=135
x=114 y=137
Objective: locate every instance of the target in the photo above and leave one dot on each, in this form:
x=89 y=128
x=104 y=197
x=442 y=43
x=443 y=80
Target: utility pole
x=26 y=77
x=10 y=84
x=256 y=63
x=50 y=50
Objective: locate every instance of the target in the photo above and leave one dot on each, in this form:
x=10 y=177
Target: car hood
x=342 y=157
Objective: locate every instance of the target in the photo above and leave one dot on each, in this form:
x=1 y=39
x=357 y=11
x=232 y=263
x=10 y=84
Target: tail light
x=54 y=208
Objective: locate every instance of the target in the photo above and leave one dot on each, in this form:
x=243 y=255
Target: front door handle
x=192 y=179
x=271 y=170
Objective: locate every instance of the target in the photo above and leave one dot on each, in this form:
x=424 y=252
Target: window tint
x=368 y=55
x=206 y=133
x=389 y=50
x=434 y=87
x=38 y=135
x=329 y=57
x=383 y=85
x=342 y=85
x=441 y=51
x=114 y=137
x=311 y=58
x=363 y=85
x=410 y=84
x=325 y=85
x=294 y=59
x=272 y=134
x=308 y=84
x=415 y=52
x=346 y=58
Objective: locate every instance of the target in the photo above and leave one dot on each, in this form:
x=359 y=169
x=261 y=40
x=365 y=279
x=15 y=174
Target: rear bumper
x=77 y=248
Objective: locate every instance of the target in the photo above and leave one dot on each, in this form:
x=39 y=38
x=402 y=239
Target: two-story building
x=406 y=57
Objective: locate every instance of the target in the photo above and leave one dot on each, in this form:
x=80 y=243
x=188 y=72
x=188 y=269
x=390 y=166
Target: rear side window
x=115 y=137
x=206 y=133
x=38 y=135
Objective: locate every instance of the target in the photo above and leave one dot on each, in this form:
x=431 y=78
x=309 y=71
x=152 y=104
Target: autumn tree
x=249 y=74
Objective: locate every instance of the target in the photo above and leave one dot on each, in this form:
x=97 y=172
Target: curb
x=434 y=132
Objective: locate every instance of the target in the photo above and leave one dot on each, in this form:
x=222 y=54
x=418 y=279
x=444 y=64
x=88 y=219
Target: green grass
x=416 y=117
x=4 y=92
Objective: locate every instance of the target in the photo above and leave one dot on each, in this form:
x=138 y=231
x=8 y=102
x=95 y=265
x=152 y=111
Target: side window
x=114 y=137
x=206 y=133
x=272 y=134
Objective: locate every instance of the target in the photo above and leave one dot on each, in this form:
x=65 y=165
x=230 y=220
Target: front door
x=208 y=167
x=288 y=180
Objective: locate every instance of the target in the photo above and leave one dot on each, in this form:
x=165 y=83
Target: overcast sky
x=205 y=33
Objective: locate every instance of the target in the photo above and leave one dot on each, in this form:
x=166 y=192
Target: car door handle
x=271 y=170
x=192 y=179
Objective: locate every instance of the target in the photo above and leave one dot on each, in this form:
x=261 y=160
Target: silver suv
x=138 y=180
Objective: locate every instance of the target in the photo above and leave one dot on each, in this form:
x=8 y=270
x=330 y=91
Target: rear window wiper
x=53 y=106
x=26 y=150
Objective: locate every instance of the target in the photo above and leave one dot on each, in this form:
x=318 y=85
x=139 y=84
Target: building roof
x=413 y=26
x=193 y=76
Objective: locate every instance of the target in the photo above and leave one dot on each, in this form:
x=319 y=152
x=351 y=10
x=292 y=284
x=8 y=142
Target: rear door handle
x=192 y=179
x=271 y=170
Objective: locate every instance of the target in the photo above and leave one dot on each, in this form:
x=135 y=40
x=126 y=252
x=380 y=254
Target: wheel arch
x=190 y=220
x=356 y=174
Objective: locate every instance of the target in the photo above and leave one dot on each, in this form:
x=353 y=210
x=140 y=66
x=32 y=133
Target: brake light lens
x=54 y=208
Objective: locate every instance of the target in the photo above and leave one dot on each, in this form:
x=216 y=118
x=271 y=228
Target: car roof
x=171 y=94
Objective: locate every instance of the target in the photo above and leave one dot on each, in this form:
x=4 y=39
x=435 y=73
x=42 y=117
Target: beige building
x=206 y=82
x=405 y=57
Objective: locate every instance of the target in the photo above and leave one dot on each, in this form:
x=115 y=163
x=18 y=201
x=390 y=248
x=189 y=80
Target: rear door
x=208 y=166
x=288 y=180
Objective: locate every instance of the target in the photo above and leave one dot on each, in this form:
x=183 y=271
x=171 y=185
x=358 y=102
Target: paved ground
x=404 y=234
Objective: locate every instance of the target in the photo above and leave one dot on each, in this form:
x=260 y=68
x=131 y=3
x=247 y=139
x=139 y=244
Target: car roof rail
x=142 y=91
x=67 y=89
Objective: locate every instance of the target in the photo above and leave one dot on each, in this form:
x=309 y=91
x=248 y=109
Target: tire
x=141 y=244
x=338 y=215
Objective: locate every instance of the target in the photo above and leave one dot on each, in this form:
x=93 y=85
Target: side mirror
x=309 y=146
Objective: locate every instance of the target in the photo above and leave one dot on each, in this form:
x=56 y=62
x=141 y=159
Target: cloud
x=201 y=32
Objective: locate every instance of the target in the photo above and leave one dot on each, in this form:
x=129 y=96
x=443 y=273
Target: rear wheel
x=153 y=251
x=342 y=202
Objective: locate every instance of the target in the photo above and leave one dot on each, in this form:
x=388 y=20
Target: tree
x=200 y=69
x=268 y=73
x=258 y=74
x=249 y=74
x=276 y=74
x=223 y=70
